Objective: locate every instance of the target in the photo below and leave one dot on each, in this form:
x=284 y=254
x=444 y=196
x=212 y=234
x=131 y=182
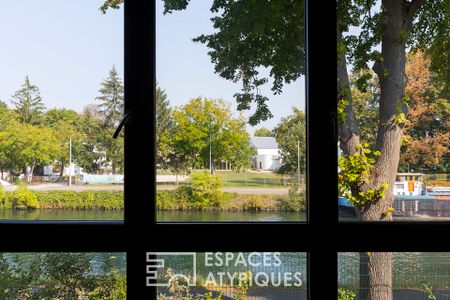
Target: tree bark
x=376 y=268
x=348 y=130
x=376 y=273
x=395 y=24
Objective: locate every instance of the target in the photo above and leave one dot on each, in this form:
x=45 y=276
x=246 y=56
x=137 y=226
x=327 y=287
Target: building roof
x=263 y=142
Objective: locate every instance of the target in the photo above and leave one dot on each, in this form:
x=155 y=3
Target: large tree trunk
x=391 y=74
x=376 y=268
x=375 y=276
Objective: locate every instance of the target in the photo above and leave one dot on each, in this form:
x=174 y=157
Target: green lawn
x=250 y=179
x=253 y=179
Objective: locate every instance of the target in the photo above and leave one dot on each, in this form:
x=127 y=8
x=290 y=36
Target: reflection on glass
x=63 y=276
x=229 y=275
x=230 y=127
x=397 y=275
x=60 y=100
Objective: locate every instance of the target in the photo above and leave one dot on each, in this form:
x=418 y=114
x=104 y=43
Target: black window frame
x=322 y=236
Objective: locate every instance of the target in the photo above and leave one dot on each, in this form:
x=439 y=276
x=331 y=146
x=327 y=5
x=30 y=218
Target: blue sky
x=185 y=71
x=67 y=48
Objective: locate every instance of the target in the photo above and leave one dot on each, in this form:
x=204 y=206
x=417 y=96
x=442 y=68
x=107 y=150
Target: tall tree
x=91 y=153
x=263 y=131
x=204 y=124
x=290 y=134
x=427 y=134
x=28 y=103
x=27 y=146
x=112 y=100
x=421 y=24
x=163 y=123
x=112 y=109
x=65 y=124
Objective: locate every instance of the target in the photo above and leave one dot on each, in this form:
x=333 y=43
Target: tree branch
x=412 y=7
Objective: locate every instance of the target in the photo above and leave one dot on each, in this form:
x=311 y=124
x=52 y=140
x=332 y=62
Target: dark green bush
x=295 y=201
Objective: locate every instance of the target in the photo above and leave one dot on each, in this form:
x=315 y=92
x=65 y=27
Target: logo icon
x=159 y=262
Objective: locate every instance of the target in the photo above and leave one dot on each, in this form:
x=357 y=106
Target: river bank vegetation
x=99 y=276
x=23 y=198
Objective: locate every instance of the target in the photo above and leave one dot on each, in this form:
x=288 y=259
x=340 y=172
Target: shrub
x=344 y=294
x=23 y=199
x=254 y=203
x=166 y=200
x=206 y=191
x=2 y=197
x=295 y=201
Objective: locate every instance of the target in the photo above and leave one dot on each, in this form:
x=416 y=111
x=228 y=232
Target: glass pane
x=393 y=105
x=60 y=100
x=234 y=275
x=230 y=102
x=412 y=275
x=54 y=275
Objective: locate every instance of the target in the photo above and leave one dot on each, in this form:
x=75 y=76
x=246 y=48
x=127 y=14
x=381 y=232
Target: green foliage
x=254 y=203
x=342 y=104
x=163 y=123
x=354 y=172
x=242 y=287
x=206 y=190
x=27 y=199
x=25 y=145
x=22 y=199
x=28 y=104
x=263 y=131
x=58 y=276
x=202 y=123
x=112 y=110
x=429 y=290
x=296 y=201
x=344 y=294
x=290 y=131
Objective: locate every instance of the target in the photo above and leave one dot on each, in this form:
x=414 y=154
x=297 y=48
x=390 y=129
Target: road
x=116 y=187
x=65 y=187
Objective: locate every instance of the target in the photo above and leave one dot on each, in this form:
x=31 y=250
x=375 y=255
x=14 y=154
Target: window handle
x=126 y=120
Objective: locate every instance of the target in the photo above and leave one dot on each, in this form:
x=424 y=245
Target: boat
x=412 y=198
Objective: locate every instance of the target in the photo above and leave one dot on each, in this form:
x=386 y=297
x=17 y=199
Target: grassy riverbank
x=27 y=199
x=182 y=200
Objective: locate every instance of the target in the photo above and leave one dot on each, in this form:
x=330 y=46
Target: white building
x=268 y=154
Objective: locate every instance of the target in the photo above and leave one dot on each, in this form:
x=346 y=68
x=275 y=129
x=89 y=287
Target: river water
x=162 y=216
x=54 y=214
x=230 y=216
x=410 y=269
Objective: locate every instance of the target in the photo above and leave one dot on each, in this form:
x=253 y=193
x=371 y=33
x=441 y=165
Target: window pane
x=237 y=275
x=412 y=275
x=61 y=99
x=54 y=275
x=393 y=106
x=230 y=104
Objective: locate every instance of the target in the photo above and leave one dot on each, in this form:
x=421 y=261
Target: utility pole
x=210 y=153
x=70 y=162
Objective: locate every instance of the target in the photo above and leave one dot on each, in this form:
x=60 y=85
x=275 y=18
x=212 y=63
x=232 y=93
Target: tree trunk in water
x=376 y=273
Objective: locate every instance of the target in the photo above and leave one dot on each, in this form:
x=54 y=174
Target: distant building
x=267 y=156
